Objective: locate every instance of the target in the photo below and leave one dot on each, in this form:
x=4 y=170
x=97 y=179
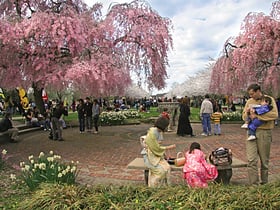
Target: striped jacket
x=216 y=117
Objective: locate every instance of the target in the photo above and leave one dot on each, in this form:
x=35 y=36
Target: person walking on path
x=278 y=108
x=58 y=111
x=260 y=147
x=81 y=115
x=184 y=125
x=88 y=113
x=206 y=111
x=95 y=114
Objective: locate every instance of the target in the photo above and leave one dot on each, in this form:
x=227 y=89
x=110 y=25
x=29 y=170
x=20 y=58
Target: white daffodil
x=59 y=175
x=13 y=177
x=50 y=159
x=27 y=167
x=4 y=152
x=41 y=154
x=30 y=157
x=51 y=152
x=73 y=169
x=42 y=166
x=57 y=157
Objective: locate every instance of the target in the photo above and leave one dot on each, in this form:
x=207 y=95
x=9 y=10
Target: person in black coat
x=58 y=111
x=184 y=126
x=88 y=114
x=81 y=115
x=6 y=127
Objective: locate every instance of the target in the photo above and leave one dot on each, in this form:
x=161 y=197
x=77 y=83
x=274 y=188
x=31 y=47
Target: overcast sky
x=200 y=29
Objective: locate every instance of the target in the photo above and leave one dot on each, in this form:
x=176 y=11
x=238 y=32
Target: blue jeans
x=82 y=124
x=95 y=121
x=217 y=128
x=206 y=123
x=89 y=122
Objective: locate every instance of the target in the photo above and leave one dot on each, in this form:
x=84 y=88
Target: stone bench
x=22 y=129
x=225 y=172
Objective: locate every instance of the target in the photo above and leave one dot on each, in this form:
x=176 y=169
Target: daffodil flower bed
x=117 y=118
x=48 y=168
x=232 y=116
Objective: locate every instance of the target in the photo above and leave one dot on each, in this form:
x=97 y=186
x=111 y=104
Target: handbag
x=221 y=157
x=180 y=159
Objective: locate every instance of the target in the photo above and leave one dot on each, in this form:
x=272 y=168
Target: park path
x=103 y=157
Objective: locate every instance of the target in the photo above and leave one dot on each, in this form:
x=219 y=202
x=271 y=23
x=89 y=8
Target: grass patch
x=142 y=197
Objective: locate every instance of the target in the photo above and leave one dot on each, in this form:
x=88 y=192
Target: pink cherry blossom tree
x=65 y=44
x=251 y=57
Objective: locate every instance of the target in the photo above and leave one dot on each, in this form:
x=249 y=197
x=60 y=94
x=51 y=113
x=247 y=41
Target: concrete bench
x=29 y=129
x=22 y=129
x=225 y=172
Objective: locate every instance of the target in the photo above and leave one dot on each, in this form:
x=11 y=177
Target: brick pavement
x=103 y=157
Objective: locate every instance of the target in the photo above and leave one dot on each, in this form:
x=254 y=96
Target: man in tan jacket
x=260 y=147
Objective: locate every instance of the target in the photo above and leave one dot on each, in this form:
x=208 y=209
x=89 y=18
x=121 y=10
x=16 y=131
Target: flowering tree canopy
x=252 y=57
x=194 y=85
x=66 y=44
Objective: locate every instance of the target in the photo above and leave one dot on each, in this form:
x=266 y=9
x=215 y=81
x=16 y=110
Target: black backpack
x=221 y=157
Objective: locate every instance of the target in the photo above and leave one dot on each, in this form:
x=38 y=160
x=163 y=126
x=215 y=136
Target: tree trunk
x=38 y=98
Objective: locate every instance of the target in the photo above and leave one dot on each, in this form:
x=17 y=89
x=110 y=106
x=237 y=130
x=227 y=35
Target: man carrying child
x=260 y=147
x=253 y=124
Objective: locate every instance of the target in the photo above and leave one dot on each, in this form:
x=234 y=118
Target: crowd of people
x=260 y=113
x=88 y=115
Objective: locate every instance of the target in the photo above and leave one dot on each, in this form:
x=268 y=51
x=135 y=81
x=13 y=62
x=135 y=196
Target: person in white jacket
x=206 y=111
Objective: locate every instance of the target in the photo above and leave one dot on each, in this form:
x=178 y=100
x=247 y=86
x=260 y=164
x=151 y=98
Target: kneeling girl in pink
x=197 y=171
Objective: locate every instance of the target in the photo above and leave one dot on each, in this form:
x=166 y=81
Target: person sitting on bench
x=6 y=127
x=153 y=154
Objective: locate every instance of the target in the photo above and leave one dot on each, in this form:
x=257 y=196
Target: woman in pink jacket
x=197 y=171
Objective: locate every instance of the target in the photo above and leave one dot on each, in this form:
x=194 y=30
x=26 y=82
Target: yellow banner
x=23 y=98
x=2 y=96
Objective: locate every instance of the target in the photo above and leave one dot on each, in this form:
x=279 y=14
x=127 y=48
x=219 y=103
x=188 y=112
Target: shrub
x=47 y=168
x=142 y=197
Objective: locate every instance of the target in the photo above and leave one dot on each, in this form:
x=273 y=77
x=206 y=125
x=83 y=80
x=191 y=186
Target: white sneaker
x=244 y=125
x=251 y=137
x=203 y=134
